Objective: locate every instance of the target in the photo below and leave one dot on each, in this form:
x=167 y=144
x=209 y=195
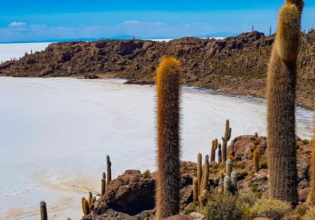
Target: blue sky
x=32 y=20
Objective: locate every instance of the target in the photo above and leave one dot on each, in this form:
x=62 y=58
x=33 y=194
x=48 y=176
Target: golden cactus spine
x=43 y=211
x=199 y=171
x=256 y=157
x=213 y=149
x=109 y=169
x=168 y=117
x=311 y=196
x=225 y=139
x=282 y=74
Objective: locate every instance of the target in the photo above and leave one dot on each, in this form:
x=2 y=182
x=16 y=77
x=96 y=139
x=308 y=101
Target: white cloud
x=17 y=24
x=132 y=22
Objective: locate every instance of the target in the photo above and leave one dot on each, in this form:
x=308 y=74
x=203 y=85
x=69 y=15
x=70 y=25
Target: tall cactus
x=225 y=139
x=195 y=190
x=282 y=74
x=311 y=196
x=85 y=206
x=168 y=117
x=219 y=154
x=109 y=169
x=43 y=211
x=199 y=171
x=256 y=157
x=213 y=149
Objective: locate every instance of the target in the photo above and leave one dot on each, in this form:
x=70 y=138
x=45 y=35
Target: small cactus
x=219 y=154
x=233 y=182
x=85 y=206
x=109 y=169
x=228 y=167
x=256 y=135
x=221 y=182
x=213 y=149
x=205 y=174
x=199 y=171
x=256 y=157
x=43 y=211
x=90 y=198
x=227 y=184
x=225 y=139
x=103 y=184
x=195 y=190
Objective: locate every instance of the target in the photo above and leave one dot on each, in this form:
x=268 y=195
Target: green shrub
x=263 y=162
x=310 y=215
x=147 y=174
x=248 y=198
x=254 y=187
x=305 y=141
x=191 y=207
x=222 y=206
x=256 y=142
x=268 y=208
x=239 y=165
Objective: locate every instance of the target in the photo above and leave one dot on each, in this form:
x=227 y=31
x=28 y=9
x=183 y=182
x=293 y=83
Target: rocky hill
x=236 y=65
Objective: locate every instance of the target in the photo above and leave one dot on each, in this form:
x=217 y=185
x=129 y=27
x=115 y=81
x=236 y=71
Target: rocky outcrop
x=236 y=65
x=132 y=196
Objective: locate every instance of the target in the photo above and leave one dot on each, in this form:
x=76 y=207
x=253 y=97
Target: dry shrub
x=310 y=215
x=270 y=208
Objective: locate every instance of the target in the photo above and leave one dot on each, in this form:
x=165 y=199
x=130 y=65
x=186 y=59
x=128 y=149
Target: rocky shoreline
x=132 y=194
x=235 y=65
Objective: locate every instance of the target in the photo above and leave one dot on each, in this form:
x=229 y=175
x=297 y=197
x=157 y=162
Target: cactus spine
x=103 y=184
x=213 y=149
x=256 y=157
x=109 y=169
x=205 y=174
x=219 y=154
x=43 y=211
x=282 y=73
x=225 y=139
x=228 y=167
x=199 y=171
x=195 y=190
x=168 y=177
x=311 y=196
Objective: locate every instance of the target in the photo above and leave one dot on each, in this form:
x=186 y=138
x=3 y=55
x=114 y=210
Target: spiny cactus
x=311 y=196
x=199 y=171
x=219 y=154
x=195 y=190
x=256 y=157
x=205 y=174
x=109 y=169
x=256 y=135
x=282 y=76
x=228 y=167
x=233 y=182
x=221 y=182
x=103 y=184
x=43 y=211
x=230 y=157
x=227 y=184
x=168 y=117
x=90 y=198
x=85 y=206
x=225 y=139
x=213 y=149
